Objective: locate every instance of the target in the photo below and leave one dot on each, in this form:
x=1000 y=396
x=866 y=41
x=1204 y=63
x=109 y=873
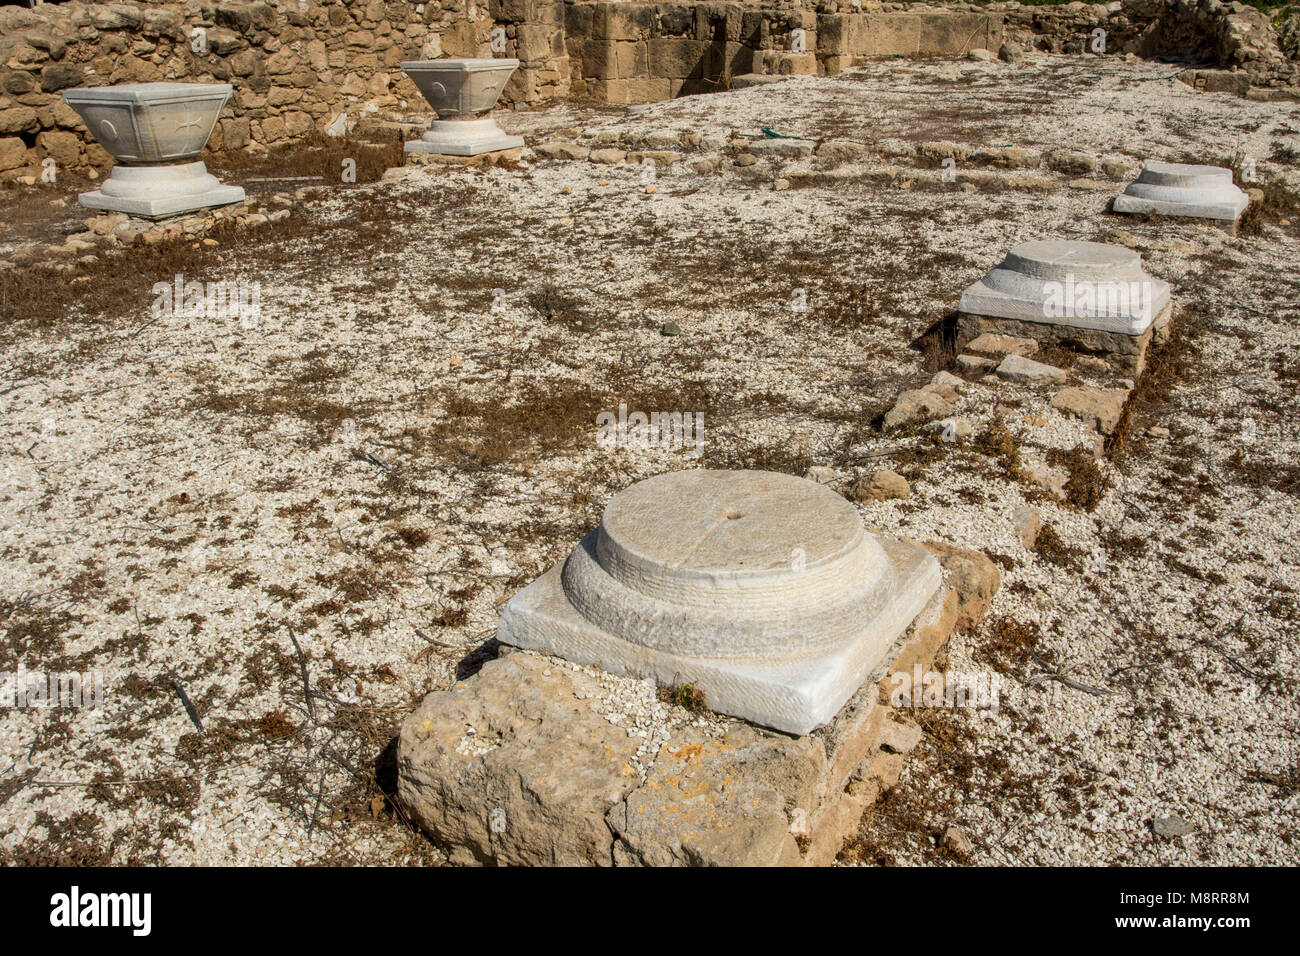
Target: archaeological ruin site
x=594 y=433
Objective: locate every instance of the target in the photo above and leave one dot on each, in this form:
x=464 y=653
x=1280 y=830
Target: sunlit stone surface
x=1084 y=285
x=155 y=131
x=1177 y=189
x=761 y=589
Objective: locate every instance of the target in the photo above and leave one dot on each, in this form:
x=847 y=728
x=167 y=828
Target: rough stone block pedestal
x=1126 y=354
x=537 y=761
x=760 y=593
x=1088 y=296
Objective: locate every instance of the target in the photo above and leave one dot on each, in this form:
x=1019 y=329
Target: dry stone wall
x=295 y=66
x=300 y=66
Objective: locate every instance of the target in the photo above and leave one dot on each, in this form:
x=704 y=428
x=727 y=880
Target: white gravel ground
x=383 y=458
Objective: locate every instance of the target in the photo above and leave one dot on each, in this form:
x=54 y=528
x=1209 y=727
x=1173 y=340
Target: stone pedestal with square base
x=534 y=761
x=1178 y=189
x=155 y=131
x=1089 y=296
x=762 y=590
x=462 y=93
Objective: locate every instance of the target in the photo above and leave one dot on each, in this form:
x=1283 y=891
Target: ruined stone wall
x=296 y=65
x=638 y=52
x=304 y=65
x=1231 y=36
x=630 y=52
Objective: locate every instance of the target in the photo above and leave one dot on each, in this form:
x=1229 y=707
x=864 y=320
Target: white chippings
x=179 y=494
x=634 y=706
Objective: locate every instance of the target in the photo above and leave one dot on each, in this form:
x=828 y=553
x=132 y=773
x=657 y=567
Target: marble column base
x=1177 y=189
x=157 y=191
x=464 y=138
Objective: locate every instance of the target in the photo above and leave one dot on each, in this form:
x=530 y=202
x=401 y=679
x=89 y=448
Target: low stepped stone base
x=464 y=138
x=1091 y=296
x=157 y=192
x=518 y=765
x=761 y=589
x=1178 y=189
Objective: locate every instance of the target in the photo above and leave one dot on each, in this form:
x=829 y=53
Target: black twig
x=306 y=683
x=320 y=795
x=189 y=707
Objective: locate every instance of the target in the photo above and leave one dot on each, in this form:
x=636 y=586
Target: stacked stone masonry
x=304 y=66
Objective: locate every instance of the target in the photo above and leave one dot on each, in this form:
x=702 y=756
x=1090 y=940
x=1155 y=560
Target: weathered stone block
x=539 y=42
x=157 y=23
x=116 y=16
x=624 y=21
x=1126 y=354
x=620 y=59
x=676 y=57
x=18 y=119
x=222 y=41
x=513 y=766
x=720 y=801
x=244 y=63
x=635 y=90
x=13 y=153
x=236 y=132
x=920 y=34
x=60 y=145
x=60 y=76
x=1099 y=407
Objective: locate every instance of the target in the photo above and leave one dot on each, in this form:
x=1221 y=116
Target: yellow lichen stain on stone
x=690 y=753
x=700 y=788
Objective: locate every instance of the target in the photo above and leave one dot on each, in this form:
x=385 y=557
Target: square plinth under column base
x=163 y=206
x=477 y=146
x=794 y=694
x=1225 y=213
x=1125 y=353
